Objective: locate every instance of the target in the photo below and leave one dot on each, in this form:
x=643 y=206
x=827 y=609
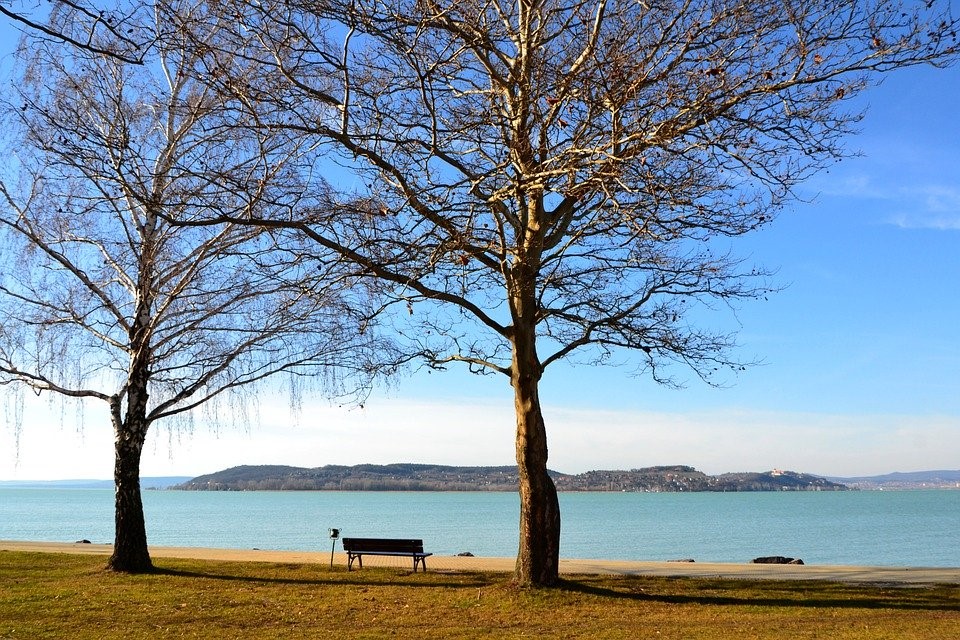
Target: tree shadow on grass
x=374 y=578
x=774 y=594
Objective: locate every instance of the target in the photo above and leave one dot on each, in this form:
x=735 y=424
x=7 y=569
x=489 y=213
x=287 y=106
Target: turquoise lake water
x=884 y=528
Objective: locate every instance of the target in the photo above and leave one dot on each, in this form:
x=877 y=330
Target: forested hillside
x=425 y=477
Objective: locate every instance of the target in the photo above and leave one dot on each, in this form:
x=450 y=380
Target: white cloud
x=942 y=199
x=852 y=185
x=716 y=442
x=916 y=204
x=926 y=220
x=474 y=432
x=928 y=207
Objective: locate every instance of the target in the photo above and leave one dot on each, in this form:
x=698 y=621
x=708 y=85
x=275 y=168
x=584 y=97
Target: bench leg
x=422 y=561
x=351 y=557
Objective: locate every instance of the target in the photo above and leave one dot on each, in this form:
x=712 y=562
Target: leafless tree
x=102 y=299
x=108 y=29
x=553 y=179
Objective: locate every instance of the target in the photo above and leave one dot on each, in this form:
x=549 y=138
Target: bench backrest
x=383 y=544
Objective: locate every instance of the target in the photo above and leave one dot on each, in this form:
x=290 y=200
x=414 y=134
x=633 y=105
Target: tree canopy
x=102 y=298
x=547 y=179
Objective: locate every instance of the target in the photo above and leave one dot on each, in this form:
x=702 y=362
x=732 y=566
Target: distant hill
x=425 y=477
x=911 y=480
x=149 y=482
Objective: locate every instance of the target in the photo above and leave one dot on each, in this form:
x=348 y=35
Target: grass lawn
x=47 y=595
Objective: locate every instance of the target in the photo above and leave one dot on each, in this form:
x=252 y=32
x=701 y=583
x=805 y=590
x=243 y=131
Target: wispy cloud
x=925 y=220
x=945 y=199
x=919 y=206
x=853 y=185
x=928 y=207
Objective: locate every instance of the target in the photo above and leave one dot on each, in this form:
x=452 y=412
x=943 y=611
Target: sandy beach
x=902 y=576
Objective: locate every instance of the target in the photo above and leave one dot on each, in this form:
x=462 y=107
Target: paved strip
x=894 y=576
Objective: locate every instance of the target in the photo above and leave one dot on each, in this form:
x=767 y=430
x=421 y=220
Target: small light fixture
x=334 y=534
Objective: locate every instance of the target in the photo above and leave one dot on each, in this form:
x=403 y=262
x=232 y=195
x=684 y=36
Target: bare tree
x=102 y=299
x=110 y=29
x=557 y=179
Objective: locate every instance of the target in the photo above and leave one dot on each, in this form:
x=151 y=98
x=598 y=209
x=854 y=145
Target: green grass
x=45 y=595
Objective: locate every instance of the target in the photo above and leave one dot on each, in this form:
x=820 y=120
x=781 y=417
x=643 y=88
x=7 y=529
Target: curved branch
x=85 y=46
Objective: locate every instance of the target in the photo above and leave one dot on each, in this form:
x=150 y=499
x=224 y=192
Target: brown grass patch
x=47 y=595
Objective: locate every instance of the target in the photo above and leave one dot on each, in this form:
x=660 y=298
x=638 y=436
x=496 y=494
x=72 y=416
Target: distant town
x=942 y=479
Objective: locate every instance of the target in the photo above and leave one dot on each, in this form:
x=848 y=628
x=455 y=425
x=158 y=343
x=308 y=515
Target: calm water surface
x=893 y=528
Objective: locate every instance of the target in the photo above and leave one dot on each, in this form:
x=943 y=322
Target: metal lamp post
x=334 y=534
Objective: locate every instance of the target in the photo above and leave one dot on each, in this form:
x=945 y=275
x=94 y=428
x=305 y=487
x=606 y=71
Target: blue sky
x=860 y=351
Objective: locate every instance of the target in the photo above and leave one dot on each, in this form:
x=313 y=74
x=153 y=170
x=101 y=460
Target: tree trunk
x=539 y=554
x=130 y=552
x=130 y=424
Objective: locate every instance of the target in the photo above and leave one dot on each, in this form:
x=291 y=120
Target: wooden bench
x=356 y=548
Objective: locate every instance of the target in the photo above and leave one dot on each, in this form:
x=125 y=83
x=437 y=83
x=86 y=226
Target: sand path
x=903 y=576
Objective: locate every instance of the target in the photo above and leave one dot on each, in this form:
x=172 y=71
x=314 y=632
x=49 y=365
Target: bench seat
x=356 y=548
